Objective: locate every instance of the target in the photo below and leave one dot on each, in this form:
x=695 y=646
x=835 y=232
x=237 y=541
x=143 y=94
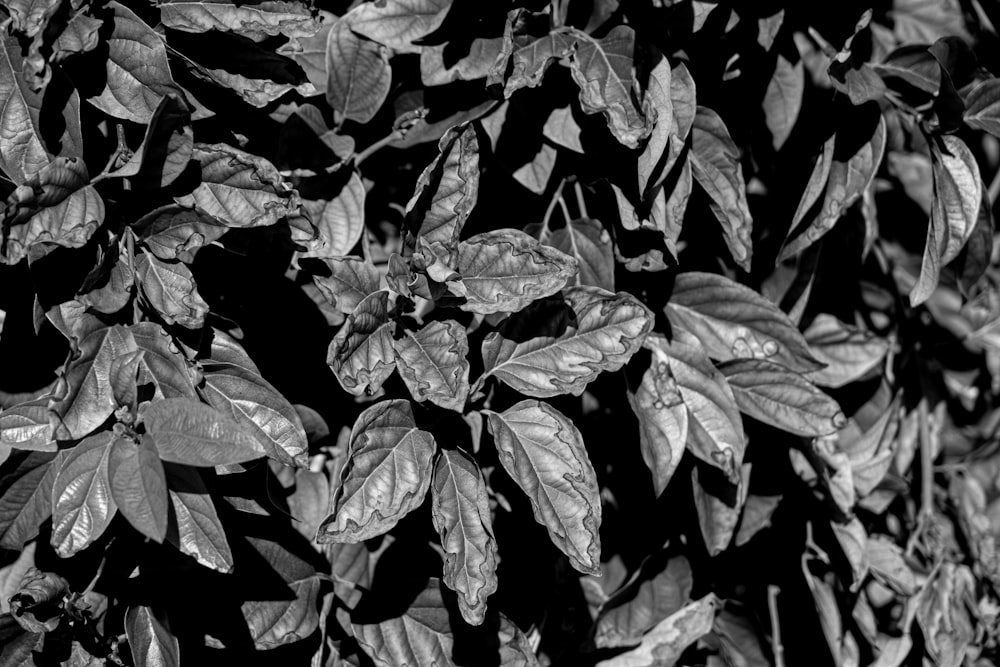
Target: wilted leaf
x=545 y=455
x=586 y=240
x=665 y=643
x=70 y=224
x=387 y=475
x=190 y=432
x=139 y=486
x=36 y=603
x=169 y=288
x=172 y=232
x=82 y=502
x=196 y=529
x=340 y=221
x=361 y=354
x=351 y=279
x=150 y=642
x=358 y=73
x=398 y=23
x=734 y=322
x=461 y=515
x=256 y=21
x=848 y=352
x=559 y=345
x=432 y=363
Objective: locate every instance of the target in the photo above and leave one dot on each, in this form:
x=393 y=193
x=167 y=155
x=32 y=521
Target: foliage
x=309 y=309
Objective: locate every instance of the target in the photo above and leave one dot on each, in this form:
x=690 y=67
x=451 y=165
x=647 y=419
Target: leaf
x=437 y=70
x=461 y=515
x=69 y=224
x=397 y=24
x=176 y=233
x=139 y=486
x=847 y=182
x=138 y=75
x=82 y=503
x=340 y=221
x=734 y=322
x=715 y=429
x=683 y=100
x=658 y=97
x=162 y=363
x=255 y=21
x=310 y=52
x=586 y=241
x=545 y=455
x=535 y=173
x=715 y=164
x=387 y=475
x=196 y=529
x=240 y=189
x=432 y=363
x=361 y=354
x=351 y=279
x=643 y=603
x=562 y=129
x=982 y=107
x=260 y=410
x=150 y=642
x=663 y=419
x=26 y=496
x=169 y=288
x=358 y=73
x=294 y=615
x=27 y=426
x=783 y=99
x=817 y=184
x=79 y=36
x=504 y=270
x=189 y=432
x=771 y=393
x=663 y=645
x=165 y=149
x=560 y=345
x=848 y=352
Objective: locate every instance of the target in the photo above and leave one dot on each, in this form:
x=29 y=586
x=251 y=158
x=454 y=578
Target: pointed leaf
x=783 y=99
x=734 y=322
x=26 y=496
x=559 y=345
x=340 y=221
x=461 y=514
x=139 y=486
x=535 y=173
x=82 y=503
x=170 y=289
x=196 y=529
x=437 y=69
x=255 y=21
x=561 y=128
x=190 y=432
x=982 y=107
x=657 y=97
x=387 y=475
x=351 y=279
x=771 y=393
x=151 y=643
x=664 y=644
x=432 y=363
x=358 y=73
x=294 y=616
x=361 y=354
x=166 y=148
x=544 y=454
x=398 y=23
x=848 y=352
x=817 y=182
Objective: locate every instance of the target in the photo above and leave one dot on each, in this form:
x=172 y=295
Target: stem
x=377 y=146
x=556 y=198
x=772 y=607
x=581 y=204
x=994 y=190
x=564 y=208
x=926 y=463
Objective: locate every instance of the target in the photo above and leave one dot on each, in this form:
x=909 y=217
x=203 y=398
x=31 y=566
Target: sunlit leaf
x=340 y=221
x=192 y=433
x=256 y=21
x=139 y=486
x=361 y=354
x=196 y=529
x=664 y=644
x=398 y=23
x=82 y=502
x=783 y=99
x=358 y=73
x=432 y=363
x=149 y=640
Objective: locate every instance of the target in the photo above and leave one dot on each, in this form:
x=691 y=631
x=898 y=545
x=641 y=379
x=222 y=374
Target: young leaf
x=190 y=432
x=398 y=23
x=169 y=288
x=82 y=502
x=715 y=162
x=340 y=221
x=358 y=73
x=139 y=486
x=461 y=514
x=361 y=354
x=432 y=363
x=150 y=642
x=387 y=475
x=559 y=345
x=257 y=22
x=176 y=233
x=240 y=189
x=544 y=454
x=982 y=107
x=734 y=322
x=196 y=529
x=771 y=393
x=586 y=241
x=351 y=279
x=664 y=644
x=783 y=99
x=505 y=270
x=26 y=498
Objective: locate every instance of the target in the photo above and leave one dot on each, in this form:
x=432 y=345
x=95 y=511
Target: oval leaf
x=139 y=486
x=398 y=23
x=340 y=221
x=82 y=502
x=848 y=352
x=432 y=363
x=358 y=73
x=190 y=432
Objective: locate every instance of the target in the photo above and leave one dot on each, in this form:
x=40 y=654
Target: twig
x=926 y=463
x=772 y=607
x=581 y=204
x=564 y=208
x=556 y=197
x=994 y=190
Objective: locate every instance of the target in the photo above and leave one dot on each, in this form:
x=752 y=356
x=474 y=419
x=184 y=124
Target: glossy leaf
x=82 y=502
x=771 y=393
x=432 y=363
x=26 y=498
x=28 y=426
x=559 y=345
x=358 y=73
x=196 y=529
x=163 y=365
x=387 y=475
x=192 y=433
x=340 y=221
x=170 y=289
x=351 y=279
x=545 y=455
x=139 y=486
x=361 y=354
x=398 y=23
x=255 y=21
x=734 y=322
x=461 y=514
x=982 y=107
x=150 y=641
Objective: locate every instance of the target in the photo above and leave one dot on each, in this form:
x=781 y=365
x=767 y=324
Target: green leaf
x=504 y=270
x=734 y=322
x=162 y=363
x=139 y=486
x=664 y=644
x=26 y=496
x=170 y=289
x=586 y=240
x=28 y=426
x=340 y=221
x=138 y=74
x=771 y=393
x=432 y=363
x=461 y=515
x=358 y=73
x=848 y=352
x=387 y=475
x=196 y=529
x=361 y=354
x=545 y=455
x=260 y=410
x=240 y=189
x=715 y=163
x=151 y=642
x=190 y=432
x=173 y=232
x=560 y=345
x=255 y=21
x=982 y=107
x=397 y=24
x=82 y=502
x=351 y=279
x=783 y=99
x=663 y=419
x=644 y=602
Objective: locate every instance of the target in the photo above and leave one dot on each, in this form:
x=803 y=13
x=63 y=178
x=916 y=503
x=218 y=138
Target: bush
x=412 y=332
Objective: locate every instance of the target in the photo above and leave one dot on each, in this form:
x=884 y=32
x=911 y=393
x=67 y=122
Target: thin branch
x=581 y=203
x=556 y=197
x=564 y=208
x=772 y=607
